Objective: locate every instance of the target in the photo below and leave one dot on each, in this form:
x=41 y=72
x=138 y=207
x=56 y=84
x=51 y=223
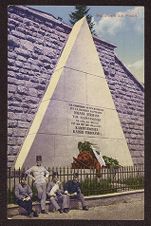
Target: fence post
x=9 y=187
x=60 y=173
x=63 y=175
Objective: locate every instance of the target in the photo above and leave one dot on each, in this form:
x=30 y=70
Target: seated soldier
x=56 y=195
x=23 y=195
x=72 y=188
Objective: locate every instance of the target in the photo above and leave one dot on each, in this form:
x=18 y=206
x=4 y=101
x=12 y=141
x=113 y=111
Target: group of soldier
x=58 y=195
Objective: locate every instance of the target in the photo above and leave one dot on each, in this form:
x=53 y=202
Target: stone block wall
x=128 y=96
x=35 y=43
x=129 y=100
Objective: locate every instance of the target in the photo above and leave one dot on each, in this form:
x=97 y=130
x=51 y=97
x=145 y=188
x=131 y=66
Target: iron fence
x=93 y=182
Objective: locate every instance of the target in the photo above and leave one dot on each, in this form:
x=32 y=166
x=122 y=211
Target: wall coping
x=141 y=85
x=114 y=194
x=52 y=18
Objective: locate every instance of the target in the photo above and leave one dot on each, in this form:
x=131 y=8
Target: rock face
x=35 y=43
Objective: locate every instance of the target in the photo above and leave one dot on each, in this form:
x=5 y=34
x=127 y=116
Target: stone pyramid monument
x=77 y=106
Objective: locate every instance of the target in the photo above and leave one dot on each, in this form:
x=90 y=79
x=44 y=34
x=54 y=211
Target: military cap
x=75 y=174
x=54 y=174
x=38 y=158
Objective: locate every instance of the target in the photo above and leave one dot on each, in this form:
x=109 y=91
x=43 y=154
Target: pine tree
x=81 y=11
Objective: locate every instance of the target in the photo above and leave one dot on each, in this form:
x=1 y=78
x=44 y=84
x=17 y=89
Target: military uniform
x=23 y=195
x=39 y=174
x=58 y=198
x=72 y=187
x=56 y=194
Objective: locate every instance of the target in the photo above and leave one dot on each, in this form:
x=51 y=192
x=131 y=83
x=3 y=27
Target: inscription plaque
x=85 y=120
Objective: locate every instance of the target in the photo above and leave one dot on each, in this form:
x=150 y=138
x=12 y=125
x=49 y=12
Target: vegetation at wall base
x=10 y=196
x=134 y=182
x=93 y=187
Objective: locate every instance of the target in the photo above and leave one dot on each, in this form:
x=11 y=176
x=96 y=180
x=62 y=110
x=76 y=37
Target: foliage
x=10 y=196
x=81 y=11
x=95 y=187
x=134 y=182
x=85 y=146
x=110 y=162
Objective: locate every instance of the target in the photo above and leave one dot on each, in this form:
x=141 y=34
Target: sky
x=122 y=26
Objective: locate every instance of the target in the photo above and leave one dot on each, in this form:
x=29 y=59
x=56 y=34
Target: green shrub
x=85 y=146
x=10 y=196
x=94 y=187
x=110 y=162
x=134 y=182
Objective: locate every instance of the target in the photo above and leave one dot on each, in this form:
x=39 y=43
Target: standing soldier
x=39 y=175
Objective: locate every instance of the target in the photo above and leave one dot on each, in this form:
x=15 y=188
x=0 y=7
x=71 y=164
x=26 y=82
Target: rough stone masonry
x=35 y=43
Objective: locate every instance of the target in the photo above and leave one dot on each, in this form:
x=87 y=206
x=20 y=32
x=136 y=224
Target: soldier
x=23 y=195
x=56 y=195
x=72 y=188
x=39 y=175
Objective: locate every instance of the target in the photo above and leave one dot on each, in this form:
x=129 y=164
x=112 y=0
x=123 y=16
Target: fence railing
x=92 y=182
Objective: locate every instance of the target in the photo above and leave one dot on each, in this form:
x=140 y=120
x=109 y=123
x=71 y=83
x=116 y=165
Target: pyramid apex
x=80 y=22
